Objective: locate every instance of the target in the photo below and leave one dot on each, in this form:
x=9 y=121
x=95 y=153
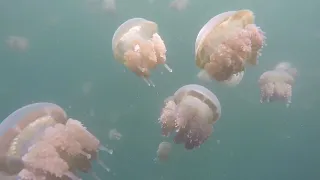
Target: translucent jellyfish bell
x=227 y=42
x=46 y=144
x=163 y=151
x=137 y=44
x=287 y=67
x=276 y=85
x=191 y=112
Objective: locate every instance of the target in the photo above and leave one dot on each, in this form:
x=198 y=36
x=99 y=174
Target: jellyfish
x=109 y=5
x=179 y=4
x=38 y=142
x=137 y=44
x=277 y=84
x=287 y=67
x=114 y=134
x=191 y=113
x=18 y=43
x=227 y=42
x=163 y=151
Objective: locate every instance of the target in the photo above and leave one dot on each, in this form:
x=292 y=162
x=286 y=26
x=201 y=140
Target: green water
x=69 y=62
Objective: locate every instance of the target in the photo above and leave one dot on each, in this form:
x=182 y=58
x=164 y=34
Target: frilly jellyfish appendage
x=235 y=79
x=38 y=141
x=168 y=116
x=191 y=113
x=276 y=85
x=227 y=42
x=137 y=44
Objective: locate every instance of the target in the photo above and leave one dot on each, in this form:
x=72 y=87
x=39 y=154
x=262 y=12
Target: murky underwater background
x=69 y=62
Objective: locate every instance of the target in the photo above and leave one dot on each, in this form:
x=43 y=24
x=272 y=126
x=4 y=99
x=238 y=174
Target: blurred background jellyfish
x=114 y=134
x=277 y=84
x=137 y=44
x=163 y=151
x=18 y=43
x=109 y=5
x=191 y=113
x=38 y=142
x=226 y=43
x=179 y=4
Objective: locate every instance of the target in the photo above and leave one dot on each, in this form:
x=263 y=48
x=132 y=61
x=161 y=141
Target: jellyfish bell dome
x=38 y=141
x=286 y=66
x=191 y=113
x=227 y=42
x=276 y=77
x=137 y=44
x=163 y=151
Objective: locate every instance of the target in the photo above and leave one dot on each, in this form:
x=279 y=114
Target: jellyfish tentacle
x=104 y=148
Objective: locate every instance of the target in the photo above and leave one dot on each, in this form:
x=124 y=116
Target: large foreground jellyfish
x=226 y=43
x=191 y=112
x=277 y=83
x=137 y=44
x=39 y=142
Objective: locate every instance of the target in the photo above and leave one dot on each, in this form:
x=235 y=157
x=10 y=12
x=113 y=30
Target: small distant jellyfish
x=277 y=84
x=18 y=43
x=109 y=5
x=191 y=113
x=114 y=135
x=226 y=43
x=39 y=142
x=179 y=4
x=87 y=87
x=163 y=151
x=137 y=44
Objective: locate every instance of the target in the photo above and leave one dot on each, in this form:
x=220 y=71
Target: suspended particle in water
x=191 y=113
x=137 y=44
x=226 y=43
